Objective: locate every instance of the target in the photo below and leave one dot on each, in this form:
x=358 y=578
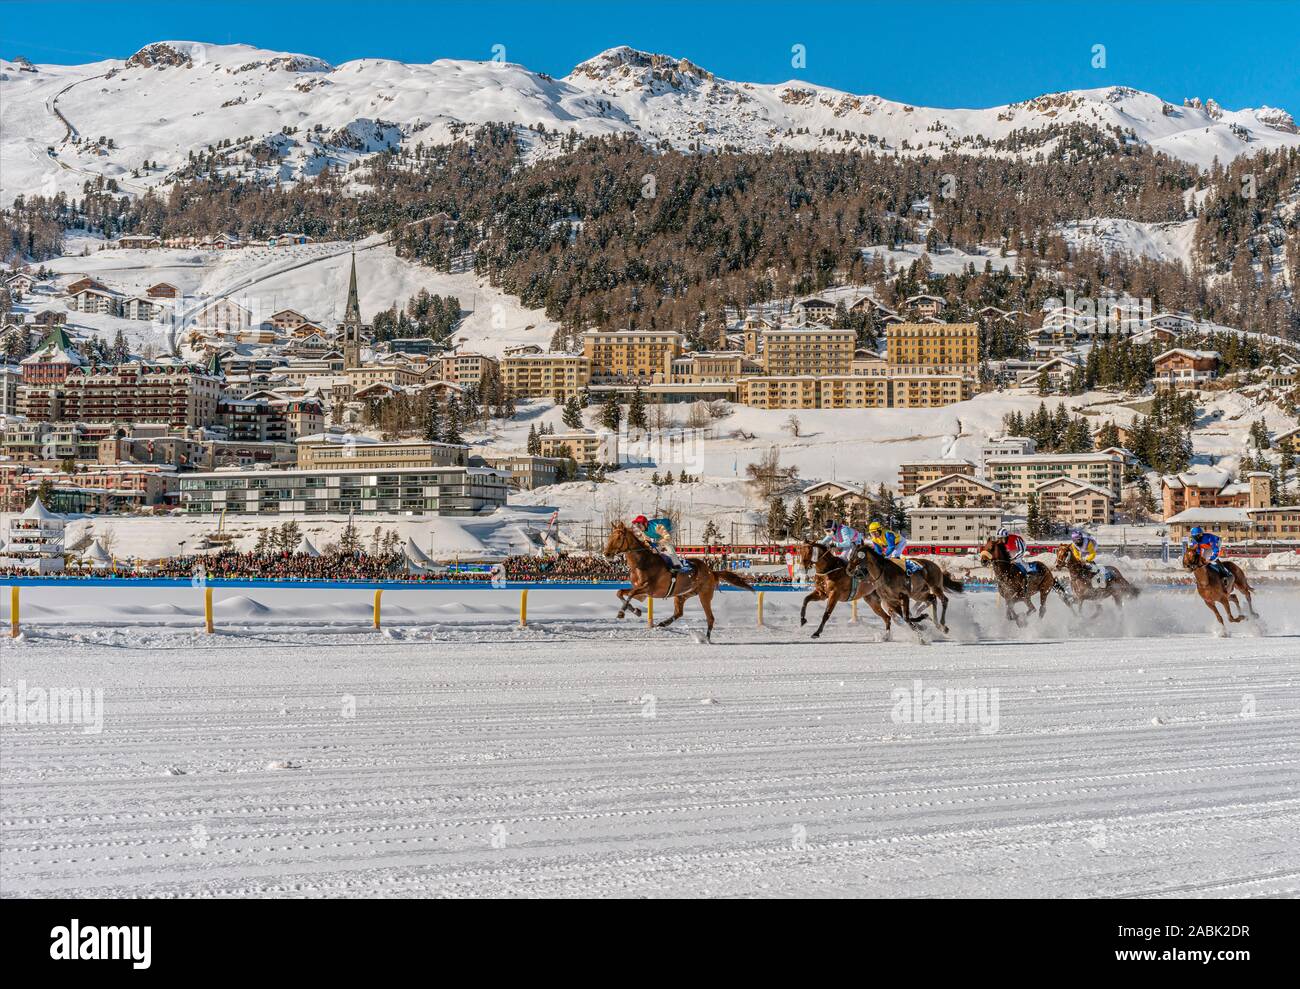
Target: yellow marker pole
x=523 y=607
x=760 y=608
x=207 y=609
x=649 y=611
x=378 y=595
x=13 y=611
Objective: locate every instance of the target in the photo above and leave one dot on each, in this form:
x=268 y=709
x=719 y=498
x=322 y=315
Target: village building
x=933 y=348
x=1213 y=487
x=1180 y=368
x=224 y=316
x=93 y=300
x=446 y=491
x=913 y=474
x=584 y=446
x=526 y=471
x=1265 y=523
x=793 y=351
x=557 y=377
x=845 y=497
x=331 y=450
x=926 y=305
x=959 y=491
x=1072 y=502
x=1019 y=476
x=632 y=356
x=968 y=526
x=814 y=310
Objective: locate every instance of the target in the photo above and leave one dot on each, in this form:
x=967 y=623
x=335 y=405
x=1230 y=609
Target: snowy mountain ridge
x=174 y=98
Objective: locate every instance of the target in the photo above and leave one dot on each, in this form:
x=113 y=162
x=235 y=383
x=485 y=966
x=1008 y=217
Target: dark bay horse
x=930 y=586
x=1216 y=589
x=832 y=584
x=652 y=577
x=1017 y=587
x=1117 y=588
x=889 y=581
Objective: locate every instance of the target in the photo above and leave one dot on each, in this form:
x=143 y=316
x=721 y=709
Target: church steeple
x=352 y=321
x=353 y=312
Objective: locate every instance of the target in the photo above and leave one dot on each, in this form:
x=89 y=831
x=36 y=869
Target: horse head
x=1192 y=559
x=620 y=540
x=1062 y=554
x=994 y=549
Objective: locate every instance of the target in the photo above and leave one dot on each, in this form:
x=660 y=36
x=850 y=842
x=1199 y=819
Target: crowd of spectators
x=565 y=568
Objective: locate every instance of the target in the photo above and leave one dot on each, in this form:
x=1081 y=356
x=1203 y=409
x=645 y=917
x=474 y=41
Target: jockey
x=886 y=542
x=1016 y=547
x=1206 y=545
x=657 y=535
x=842 y=538
x=1084 y=549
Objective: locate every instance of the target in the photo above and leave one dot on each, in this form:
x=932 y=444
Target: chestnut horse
x=1015 y=586
x=651 y=577
x=1117 y=588
x=832 y=584
x=1216 y=589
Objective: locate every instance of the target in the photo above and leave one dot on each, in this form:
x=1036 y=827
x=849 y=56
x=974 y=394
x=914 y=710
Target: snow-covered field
x=299 y=753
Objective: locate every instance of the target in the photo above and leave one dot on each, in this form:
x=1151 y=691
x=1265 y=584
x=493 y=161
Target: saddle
x=911 y=567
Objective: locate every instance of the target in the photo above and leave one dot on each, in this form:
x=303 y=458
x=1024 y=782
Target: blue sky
x=937 y=53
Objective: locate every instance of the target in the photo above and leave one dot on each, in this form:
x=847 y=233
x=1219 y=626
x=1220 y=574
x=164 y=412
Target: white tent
x=305 y=548
x=416 y=555
x=97 y=556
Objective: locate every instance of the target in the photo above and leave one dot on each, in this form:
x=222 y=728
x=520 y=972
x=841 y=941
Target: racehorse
x=928 y=585
x=1117 y=587
x=888 y=581
x=832 y=584
x=652 y=577
x=1015 y=586
x=1216 y=589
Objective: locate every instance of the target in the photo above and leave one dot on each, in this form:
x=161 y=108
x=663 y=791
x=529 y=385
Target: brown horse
x=929 y=586
x=1117 y=588
x=888 y=580
x=832 y=584
x=652 y=577
x=1216 y=589
x=1015 y=586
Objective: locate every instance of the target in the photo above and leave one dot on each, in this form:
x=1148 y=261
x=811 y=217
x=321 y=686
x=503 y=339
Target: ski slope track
x=581 y=756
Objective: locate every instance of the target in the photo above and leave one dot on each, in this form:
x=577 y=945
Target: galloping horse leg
x=1215 y=608
x=679 y=604
x=1241 y=612
x=873 y=602
x=627 y=596
x=1245 y=592
x=831 y=600
x=803 y=612
x=706 y=602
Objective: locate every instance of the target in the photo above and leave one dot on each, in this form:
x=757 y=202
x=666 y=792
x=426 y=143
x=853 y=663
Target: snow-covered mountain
x=290 y=114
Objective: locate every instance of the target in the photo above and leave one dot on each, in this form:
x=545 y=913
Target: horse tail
x=727 y=577
x=1240 y=576
x=950 y=583
x=1059 y=588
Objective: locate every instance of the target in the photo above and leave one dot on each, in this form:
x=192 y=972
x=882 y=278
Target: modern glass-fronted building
x=401 y=491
